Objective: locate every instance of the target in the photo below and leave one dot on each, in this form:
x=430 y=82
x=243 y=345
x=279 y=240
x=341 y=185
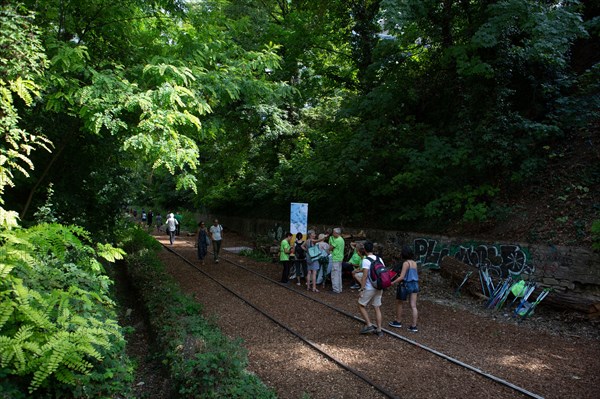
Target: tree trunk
x=39 y=181
x=447 y=18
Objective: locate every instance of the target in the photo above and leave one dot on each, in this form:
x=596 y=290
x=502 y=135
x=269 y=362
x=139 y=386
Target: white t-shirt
x=172 y=224
x=216 y=232
x=366 y=265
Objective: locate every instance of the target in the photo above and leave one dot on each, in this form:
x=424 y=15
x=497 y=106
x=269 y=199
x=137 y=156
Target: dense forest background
x=446 y=116
x=439 y=116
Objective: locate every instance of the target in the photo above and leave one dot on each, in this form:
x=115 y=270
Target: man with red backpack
x=369 y=294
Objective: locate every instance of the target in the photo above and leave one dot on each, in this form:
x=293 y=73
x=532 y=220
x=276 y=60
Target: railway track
x=244 y=282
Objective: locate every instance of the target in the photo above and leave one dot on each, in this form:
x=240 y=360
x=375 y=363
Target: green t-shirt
x=356 y=260
x=285 y=246
x=337 y=255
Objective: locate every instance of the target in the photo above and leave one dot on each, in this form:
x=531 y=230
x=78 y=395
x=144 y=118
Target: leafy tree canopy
x=425 y=110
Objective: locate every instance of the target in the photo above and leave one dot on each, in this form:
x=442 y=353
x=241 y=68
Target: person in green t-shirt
x=179 y=218
x=285 y=249
x=336 y=243
x=355 y=263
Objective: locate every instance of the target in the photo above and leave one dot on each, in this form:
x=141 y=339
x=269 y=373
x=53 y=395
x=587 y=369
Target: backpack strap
x=373 y=259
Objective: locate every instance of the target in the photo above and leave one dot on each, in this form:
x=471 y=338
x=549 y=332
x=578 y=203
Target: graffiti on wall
x=501 y=260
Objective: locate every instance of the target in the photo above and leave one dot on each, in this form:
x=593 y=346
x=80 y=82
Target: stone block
x=550 y=281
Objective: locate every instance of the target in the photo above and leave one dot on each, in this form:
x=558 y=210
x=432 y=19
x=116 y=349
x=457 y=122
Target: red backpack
x=379 y=274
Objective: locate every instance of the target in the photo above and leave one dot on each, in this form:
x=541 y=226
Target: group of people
x=406 y=281
x=204 y=238
x=325 y=253
x=145 y=217
x=149 y=219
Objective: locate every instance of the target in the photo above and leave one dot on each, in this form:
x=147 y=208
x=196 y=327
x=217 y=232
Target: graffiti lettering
x=502 y=260
x=425 y=253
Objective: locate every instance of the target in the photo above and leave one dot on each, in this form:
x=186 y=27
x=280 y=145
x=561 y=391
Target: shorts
x=405 y=288
x=373 y=296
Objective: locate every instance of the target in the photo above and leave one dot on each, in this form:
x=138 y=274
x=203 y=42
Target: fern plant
x=57 y=322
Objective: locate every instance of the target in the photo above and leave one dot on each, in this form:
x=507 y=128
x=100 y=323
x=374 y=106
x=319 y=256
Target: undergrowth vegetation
x=257 y=255
x=201 y=361
x=58 y=331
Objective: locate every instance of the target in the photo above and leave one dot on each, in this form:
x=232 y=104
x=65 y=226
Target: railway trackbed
x=328 y=331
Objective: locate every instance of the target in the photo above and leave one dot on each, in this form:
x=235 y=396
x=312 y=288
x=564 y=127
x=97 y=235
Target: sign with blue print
x=298 y=218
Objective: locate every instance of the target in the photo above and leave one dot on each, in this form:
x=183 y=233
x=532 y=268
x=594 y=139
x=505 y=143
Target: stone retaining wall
x=570 y=271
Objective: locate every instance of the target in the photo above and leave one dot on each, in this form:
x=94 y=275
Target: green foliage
x=595 y=230
x=189 y=222
x=134 y=239
x=129 y=97
x=471 y=203
x=22 y=53
x=456 y=105
x=22 y=61
x=201 y=360
x=58 y=331
x=123 y=97
x=46 y=212
x=245 y=106
x=256 y=255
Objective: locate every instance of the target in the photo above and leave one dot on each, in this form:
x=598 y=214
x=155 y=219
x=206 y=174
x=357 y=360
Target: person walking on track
x=216 y=234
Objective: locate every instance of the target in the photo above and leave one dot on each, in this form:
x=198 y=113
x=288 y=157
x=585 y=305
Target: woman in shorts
x=312 y=265
x=408 y=287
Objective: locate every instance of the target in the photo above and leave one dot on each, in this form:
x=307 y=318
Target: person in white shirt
x=369 y=294
x=216 y=233
x=171 y=227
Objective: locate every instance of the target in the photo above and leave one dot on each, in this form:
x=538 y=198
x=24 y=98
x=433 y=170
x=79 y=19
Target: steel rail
x=308 y=342
x=391 y=333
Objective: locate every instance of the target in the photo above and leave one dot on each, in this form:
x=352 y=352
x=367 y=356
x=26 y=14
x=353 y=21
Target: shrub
x=256 y=255
x=189 y=223
x=58 y=331
x=201 y=360
x=133 y=239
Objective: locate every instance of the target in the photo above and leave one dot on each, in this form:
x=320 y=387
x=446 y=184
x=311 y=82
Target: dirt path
x=531 y=355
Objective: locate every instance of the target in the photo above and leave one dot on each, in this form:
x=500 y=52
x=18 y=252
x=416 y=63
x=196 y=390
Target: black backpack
x=299 y=251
